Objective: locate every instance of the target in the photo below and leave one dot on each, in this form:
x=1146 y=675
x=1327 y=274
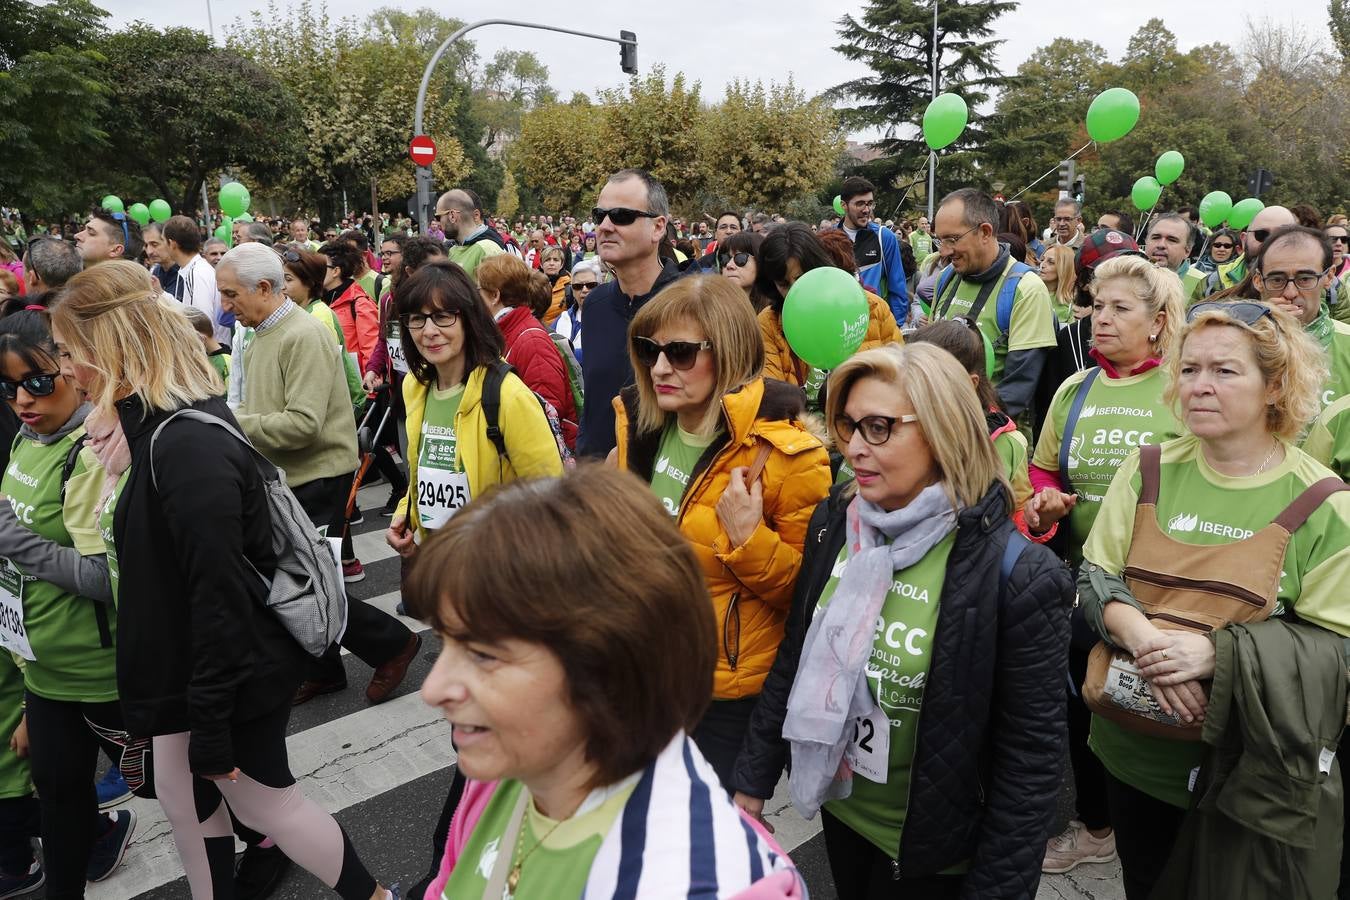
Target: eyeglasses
x=440 y=318
x=1244 y=311
x=741 y=259
x=442 y=213
x=680 y=354
x=390 y=252
x=1063 y=220
x=1339 y=238
x=1221 y=246
x=1276 y=282
x=620 y=215
x=1261 y=234
x=862 y=204
x=584 y=286
x=40 y=385
x=876 y=430
x=953 y=241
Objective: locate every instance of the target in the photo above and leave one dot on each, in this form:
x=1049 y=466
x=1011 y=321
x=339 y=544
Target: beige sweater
x=296 y=408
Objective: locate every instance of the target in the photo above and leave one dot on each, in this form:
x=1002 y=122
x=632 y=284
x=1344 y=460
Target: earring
x=1152 y=338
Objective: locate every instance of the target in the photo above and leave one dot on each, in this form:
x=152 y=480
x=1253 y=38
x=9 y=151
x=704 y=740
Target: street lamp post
x=626 y=40
x=932 y=157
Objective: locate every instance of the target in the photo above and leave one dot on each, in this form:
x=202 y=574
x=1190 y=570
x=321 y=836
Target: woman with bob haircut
x=916 y=563
x=570 y=676
x=726 y=451
x=737 y=256
x=451 y=343
x=204 y=668
x=1243 y=533
x=1056 y=270
x=354 y=308
x=551 y=264
x=788 y=252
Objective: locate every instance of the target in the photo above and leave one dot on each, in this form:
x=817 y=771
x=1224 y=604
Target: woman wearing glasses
x=728 y=455
x=737 y=256
x=916 y=563
x=1230 y=509
x=1339 y=235
x=1223 y=247
x=585 y=278
x=451 y=343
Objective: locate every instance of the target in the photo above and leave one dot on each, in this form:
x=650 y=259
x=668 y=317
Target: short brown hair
x=592 y=567
x=507 y=276
x=541 y=294
x=840 y=248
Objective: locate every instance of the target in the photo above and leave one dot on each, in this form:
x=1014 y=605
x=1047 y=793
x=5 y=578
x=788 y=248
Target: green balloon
x=944 y=120
x=1169 y=167
x=825 y=317
x=838 y=205
x=223 y=232
x=160 y=210
x=1145 y=193
x=1215 y=208
x=112 y=203
x=140 y=212
x=1112 y=115
x=1243 y=212
x=243 y=217
x=234 y=199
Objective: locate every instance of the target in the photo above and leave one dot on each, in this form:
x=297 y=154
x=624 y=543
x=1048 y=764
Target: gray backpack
x=305 y=593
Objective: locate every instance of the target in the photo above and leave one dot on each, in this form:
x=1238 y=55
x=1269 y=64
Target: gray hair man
x=49 y=263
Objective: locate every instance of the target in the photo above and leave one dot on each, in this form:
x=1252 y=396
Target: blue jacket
x=885 y=277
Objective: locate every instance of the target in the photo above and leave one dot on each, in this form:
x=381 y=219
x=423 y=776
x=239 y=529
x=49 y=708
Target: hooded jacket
x=531 y=351
x=751 y=585
x=360 y=320
x=781 y=363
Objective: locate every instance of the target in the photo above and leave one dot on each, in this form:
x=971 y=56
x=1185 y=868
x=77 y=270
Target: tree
x=511 y=85
x=1338 y=16
x=652 y=127
x=772 y=146
x=558 y=153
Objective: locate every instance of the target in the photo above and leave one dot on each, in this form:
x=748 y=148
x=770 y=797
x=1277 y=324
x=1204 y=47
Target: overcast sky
x=767 y=39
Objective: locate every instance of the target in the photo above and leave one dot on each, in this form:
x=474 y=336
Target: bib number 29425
x=440 y=494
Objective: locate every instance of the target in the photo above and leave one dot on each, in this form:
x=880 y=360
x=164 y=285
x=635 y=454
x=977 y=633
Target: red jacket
x=360 y=321
x=531 y=351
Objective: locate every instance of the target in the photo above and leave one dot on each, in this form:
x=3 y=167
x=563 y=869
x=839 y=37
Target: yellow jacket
x=751 y=585
x=530 y=443
x=781 y=363
x=555 y=306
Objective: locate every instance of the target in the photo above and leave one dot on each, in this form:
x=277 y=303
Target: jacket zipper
x=732 y=648
x=1181 y=620
x=1221 y=588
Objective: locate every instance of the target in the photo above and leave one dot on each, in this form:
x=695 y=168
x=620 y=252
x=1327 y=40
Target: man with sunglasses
x=876 y=250
x=471 y=240
x=1261 y=227
x=630 y=219
x=109 y=235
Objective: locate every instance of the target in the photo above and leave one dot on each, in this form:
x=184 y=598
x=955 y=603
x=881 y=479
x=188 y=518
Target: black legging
x=65 y=738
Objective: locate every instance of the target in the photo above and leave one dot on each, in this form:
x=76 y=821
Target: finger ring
x=1164 y=654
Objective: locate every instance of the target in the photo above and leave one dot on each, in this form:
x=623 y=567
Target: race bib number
x=13 y=636
x=440 y=494
x=869 y=753
x=394 y=344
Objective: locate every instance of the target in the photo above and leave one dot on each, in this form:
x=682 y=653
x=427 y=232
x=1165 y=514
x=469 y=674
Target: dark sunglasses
x=876 y=430
x=680 y=354
x=40 y=385
x=1244 y=311
x=1261 y=234
x=1339 y=238
x=1221 y=246
x=620 y=215
x=584 y=286
x=740 y=259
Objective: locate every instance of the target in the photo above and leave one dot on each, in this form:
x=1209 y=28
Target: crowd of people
x=1073 y=508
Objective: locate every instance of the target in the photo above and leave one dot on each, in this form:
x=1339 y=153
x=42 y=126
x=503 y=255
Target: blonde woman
x=552 y=263
x=917 y=560
x=202 y=666
x=1058 y=274
x=1234 y=506
x=729 y=457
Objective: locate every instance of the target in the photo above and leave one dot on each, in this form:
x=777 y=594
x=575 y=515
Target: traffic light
x=628 y=52
x=1079 y=192
x=1066 y=175
x=1260 y=181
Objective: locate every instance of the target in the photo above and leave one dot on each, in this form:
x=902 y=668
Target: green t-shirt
x=468 y=258
x=1328 y=440
x=1334 y=337
x=1197 y=505
x=815 y=380
x=1118 y=415
x=902 y=646
x=439 y=455
x=921 y=242
x=220 y=361
x=676 y=458
x=367 y=282
x=557 y=867
x=105 y=530
x=1032 y=324
x=62 y=629
x=15 y=776
x=1011 y=447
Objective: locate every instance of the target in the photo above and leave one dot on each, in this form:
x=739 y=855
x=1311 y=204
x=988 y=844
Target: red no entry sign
x=422 y=150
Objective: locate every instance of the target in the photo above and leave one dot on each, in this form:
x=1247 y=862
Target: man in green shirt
x=920 y=239
x=463 y=225
x=966 y=228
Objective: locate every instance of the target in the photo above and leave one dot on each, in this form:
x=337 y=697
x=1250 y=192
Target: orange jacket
x=555 y=306
x=751 y=585
x=781 y=363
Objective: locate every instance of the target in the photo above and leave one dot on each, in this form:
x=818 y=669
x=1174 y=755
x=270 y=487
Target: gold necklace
x=1269 y=456
x=513 y=876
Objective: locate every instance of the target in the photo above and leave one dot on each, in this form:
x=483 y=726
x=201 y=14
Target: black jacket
x=196 y=649
x=988 y=758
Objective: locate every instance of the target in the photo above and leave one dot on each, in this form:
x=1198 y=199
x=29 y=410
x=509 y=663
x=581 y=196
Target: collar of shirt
x=280 y=313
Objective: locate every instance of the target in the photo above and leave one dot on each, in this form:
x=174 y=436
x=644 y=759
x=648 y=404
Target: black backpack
x=492 y=408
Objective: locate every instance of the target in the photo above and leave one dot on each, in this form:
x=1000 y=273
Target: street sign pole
x=626 y=40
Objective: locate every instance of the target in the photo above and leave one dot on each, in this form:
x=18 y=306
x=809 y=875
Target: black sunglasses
x=620 y=215
x=40 y=385
x=584 y=286
x=1245 y=311
x=1221 y=246
x=740 y=259
x=1339 y=238
x=680 y=354
x=1261 y=234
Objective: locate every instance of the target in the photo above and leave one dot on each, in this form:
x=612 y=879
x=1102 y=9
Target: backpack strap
x=1070 y=423
x=497 y=371
x=945 y=277
x=1306 y=503
x=757 y=467
x=1011 y=553
x=1008 y=294
x=68 y=467
x=265 y=466
x=1150 y=472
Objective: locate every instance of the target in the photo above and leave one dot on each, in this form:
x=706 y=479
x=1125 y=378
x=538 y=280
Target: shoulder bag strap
x=1011 y=553
x=1070 y=423
x=68 y=467
x=496 y=884
x=1150 y=472
x=1296 y=513
x=265 y=466
x=757 y=467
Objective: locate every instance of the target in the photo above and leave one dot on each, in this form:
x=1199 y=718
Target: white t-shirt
x=197 y=287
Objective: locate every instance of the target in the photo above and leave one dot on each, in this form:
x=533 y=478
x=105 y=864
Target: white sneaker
x=1075 y=845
